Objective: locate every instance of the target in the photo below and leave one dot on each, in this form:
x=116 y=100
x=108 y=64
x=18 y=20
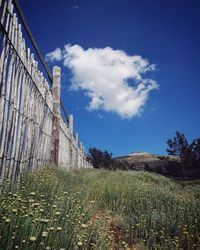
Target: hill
x=141 y=161
x=56 y=209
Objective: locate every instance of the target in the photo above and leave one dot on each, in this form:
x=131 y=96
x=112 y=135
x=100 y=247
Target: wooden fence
x=32 y=130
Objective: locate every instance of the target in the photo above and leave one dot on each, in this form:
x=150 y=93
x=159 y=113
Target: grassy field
x=97 y=209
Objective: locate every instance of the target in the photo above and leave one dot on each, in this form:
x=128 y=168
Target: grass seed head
x=32 y=238
x=79 y=243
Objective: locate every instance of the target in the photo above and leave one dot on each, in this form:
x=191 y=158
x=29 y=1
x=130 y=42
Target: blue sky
x=166 y=33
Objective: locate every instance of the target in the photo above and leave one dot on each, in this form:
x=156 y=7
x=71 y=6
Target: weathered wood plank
x=8 y=93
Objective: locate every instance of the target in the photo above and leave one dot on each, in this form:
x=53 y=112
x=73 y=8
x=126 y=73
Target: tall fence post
x=56 y=111
x=76 y=139
x=81 y=152
x=71 y=141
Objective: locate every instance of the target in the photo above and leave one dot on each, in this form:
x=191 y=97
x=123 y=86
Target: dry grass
x=95 y=209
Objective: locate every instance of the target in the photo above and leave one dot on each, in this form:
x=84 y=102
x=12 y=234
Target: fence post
x=71 y=141
x=84 y=159
x=76 y=139
x=56 y=111
x=81 y=155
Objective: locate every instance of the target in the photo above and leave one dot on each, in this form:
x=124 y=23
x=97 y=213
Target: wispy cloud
x=113 y=80
x=55 y=55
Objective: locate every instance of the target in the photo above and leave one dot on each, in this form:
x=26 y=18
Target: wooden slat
x=16 y=107
x=8 y=91
x=4 y=12
x=12 y=104
x=22 y=107
x=22 y=118
x=3 y=69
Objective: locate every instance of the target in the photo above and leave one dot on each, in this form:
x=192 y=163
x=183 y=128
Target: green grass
x=97 y=209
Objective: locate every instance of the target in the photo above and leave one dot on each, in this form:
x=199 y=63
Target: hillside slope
x=139 y=161
x=97 y=209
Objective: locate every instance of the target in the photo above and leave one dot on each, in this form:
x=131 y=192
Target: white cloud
x=113 y=80
x=55 y=55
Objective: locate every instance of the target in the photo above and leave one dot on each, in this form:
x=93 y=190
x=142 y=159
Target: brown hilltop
x=142 y=161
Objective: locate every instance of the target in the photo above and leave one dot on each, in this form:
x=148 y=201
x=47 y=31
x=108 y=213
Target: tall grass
x=96 y=209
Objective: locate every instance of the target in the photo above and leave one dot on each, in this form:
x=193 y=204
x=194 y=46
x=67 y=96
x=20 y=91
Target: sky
x=130 y=69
